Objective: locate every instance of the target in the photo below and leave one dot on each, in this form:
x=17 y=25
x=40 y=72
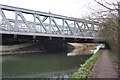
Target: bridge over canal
x=19 y=24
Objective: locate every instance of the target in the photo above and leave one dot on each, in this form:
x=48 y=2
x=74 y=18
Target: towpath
x=104 y=67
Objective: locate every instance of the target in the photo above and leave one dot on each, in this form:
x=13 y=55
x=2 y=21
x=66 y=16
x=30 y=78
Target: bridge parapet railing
x=24 y=20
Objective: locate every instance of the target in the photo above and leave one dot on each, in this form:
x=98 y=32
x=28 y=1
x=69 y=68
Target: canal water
x=41 y=65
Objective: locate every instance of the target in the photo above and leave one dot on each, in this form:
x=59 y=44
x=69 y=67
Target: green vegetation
x=115 y=58
x=84 y=70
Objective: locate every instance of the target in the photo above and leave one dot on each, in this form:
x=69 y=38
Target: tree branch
x=104 y=5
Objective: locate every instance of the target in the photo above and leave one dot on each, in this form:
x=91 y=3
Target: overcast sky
x=72 y=8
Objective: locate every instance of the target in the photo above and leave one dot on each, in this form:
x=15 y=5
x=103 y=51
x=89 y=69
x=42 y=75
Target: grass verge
x=84 y=70
x=115 y=58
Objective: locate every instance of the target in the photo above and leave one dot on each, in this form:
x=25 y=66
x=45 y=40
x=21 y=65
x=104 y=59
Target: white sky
x=71 y=8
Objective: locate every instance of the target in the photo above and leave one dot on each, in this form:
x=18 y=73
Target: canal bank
x=85 y=68
x=33 y=47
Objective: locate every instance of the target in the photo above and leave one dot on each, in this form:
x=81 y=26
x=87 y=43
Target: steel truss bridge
x=19 y=21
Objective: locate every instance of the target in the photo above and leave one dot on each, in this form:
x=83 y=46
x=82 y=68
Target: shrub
x=83 y=72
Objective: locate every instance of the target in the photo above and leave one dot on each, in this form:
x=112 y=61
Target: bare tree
x=119 y=26
x=110 y=22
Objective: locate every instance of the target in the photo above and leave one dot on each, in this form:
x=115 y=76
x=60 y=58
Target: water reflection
x=44 y=65
x=37 y=65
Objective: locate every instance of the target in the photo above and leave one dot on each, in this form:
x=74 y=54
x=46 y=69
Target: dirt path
x=104 y=68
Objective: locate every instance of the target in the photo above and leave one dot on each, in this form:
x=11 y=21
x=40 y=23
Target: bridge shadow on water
x=40 y=44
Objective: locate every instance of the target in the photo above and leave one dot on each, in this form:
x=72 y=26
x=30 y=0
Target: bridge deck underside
x=11 y=38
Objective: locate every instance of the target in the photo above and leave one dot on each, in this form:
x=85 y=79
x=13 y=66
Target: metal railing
x=44 y=23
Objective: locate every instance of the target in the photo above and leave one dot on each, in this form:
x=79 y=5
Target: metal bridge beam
x=41 y=22
x=69 y=26
x=5 y=19
x=11 y=8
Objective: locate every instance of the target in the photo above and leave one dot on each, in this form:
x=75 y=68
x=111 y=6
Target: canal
x=41 y=65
